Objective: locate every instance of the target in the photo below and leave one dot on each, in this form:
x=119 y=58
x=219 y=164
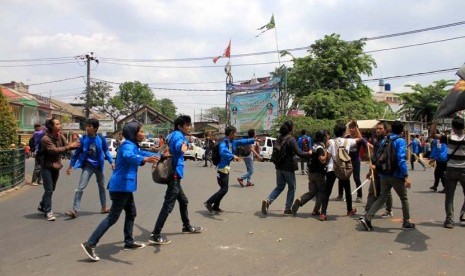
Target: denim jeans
x=36 y=174
x=87 y=171
x=223 y=182
x=249 y=165
x=50 y=178
x=316 y=187
x=283 y=177
x=173 y=192
x=453 y=175
x=388 y=182
x=119 y=201
x=372 y=196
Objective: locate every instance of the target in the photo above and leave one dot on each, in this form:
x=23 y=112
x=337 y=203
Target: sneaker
x=192 y=230
x=104 y=210
x=387 y=214
x=209 y=207
x=433 y=188
x=295 y=206
x=352 y=212
x=288 y=212
x=218 y=211
x=358 y=200
x=407 y=225
x=323 y=217
x=90 y=251
x=265 y=206
x=133 y=246
x=315 y=213
x=249 y=184
x=443 y=191
x=448 y=225
x=159 y=240
x=34 y=184
x=71 y=214
x=366 y=223
x=338 y=198
x=462 y=214
x=303 y=172
x=41 y=209
x=50 y=217
x=241 y=181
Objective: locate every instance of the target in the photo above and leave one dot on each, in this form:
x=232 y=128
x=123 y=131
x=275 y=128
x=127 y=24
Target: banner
x=254 y=105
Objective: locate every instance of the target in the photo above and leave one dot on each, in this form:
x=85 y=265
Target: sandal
x=72 y=214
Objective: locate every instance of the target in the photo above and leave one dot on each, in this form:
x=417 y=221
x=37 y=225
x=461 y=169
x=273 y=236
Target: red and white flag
x=227 y=53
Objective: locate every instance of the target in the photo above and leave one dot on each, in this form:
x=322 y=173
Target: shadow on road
x=414 y=240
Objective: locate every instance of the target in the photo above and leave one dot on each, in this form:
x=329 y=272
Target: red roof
x=10 y=94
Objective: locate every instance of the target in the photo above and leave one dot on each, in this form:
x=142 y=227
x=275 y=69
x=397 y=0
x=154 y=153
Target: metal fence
x=12 y=168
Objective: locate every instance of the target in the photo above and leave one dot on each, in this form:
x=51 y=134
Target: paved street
x=239 y=242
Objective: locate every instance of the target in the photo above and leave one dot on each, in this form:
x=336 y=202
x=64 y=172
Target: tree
x=8 y=124
x=327 y=83
x=423 y=102
x=102 y=101
x=217 y=113
x=134 y=95
x=165 y=107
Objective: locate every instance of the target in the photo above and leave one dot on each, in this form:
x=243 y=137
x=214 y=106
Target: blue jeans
x=50 y=178
x=120 y=201
x=249 y=165
x=87 y=171
x=173 y=193
x=283 y=177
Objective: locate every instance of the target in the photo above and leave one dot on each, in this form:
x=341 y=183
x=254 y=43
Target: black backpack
x=278 y=155
x=243 y=151
x=386 y=157
x=163 y=171
x=216 y=158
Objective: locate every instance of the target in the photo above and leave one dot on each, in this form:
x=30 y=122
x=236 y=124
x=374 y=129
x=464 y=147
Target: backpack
x=342 y=162
x=305 y=144
x=243 y=151
x=314 y=157
x=386 y=157
x=216 y=158
x=279 y=152
x=163 y=171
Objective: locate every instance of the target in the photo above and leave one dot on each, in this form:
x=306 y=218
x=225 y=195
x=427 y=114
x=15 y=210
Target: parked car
x=266 y=148
x=197 y=152
x=147 y=144
x=112 y=145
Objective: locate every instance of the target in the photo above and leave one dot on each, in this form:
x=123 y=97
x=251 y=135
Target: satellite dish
x=227 y=68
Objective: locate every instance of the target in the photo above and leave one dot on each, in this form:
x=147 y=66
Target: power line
x=40 y=83
x=198 y=66
x=414 y=75
x=38 y=64
x=414 y=45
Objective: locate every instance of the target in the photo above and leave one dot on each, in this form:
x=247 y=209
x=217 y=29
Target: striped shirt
x=458 y=159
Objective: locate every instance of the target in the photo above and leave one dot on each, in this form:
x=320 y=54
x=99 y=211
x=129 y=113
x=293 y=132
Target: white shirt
x=332 y=150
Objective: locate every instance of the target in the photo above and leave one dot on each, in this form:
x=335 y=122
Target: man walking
x=249 y=152
x=38 y=134
x=177 y=143
x=398 y=179
x=305 y=144
x=415 y=148
x=90 y=157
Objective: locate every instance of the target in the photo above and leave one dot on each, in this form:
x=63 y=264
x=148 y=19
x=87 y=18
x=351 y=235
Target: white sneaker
x=50 y=217
x=387 y=214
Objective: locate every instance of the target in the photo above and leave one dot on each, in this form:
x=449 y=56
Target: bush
x=7 y=123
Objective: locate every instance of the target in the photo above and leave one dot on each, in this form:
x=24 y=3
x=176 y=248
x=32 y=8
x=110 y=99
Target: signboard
x=254 y=106
x=106 y=126
x=70 y=126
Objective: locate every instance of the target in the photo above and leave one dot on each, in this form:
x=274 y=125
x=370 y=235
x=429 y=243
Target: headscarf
x=130 y=131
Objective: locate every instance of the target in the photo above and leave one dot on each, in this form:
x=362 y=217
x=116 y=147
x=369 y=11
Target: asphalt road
x=239 y=242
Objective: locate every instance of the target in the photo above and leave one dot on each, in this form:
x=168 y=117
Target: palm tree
x=423 y=102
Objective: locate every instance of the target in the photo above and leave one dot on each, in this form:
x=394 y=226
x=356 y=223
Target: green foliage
x=103 y=102
x=310 y=124
x=167 y=108
x=217 y=112
x=424 y=101
x=134 y=95
x=8 y=124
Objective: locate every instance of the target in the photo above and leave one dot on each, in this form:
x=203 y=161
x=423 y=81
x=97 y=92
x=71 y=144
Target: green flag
x=270 y=25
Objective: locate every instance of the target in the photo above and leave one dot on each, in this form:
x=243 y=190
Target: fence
x=12 y=168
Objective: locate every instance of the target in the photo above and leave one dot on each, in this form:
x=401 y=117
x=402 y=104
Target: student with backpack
x=247 y=155
x=392 y=167
x=222 y=157
x=305 y=143
x=340 y=167
x=90 y=157
x=284 y=159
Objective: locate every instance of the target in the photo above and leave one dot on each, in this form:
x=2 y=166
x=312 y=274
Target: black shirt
x=315 y=165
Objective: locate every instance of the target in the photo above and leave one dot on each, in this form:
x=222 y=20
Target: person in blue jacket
x=305 y=144
x=398 y=180
x=122 y=185
x=90 y=157
x=226 y=149
x=415 y=147
x=439 y=153
x=177 y=144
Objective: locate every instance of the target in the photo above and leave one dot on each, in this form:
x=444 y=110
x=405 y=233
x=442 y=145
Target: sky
x=40 y=40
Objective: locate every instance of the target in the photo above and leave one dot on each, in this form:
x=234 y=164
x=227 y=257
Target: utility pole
x=87 y=58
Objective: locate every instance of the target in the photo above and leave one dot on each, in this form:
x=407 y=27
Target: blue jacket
x=227 y=148
x=299 y=141
x=128 y=160
x=175 y=141
x=415 y=146
x=400 y=147
x=80 y=154
x=438 y=153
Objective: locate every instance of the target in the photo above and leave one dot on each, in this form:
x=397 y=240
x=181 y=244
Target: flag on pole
x=453 y=102
x=270 y=25
x=226 y=53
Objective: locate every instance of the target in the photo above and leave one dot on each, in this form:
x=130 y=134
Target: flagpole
x=277 y=47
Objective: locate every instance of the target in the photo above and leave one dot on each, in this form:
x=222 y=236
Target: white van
x=197 y=151
x=266 y=148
